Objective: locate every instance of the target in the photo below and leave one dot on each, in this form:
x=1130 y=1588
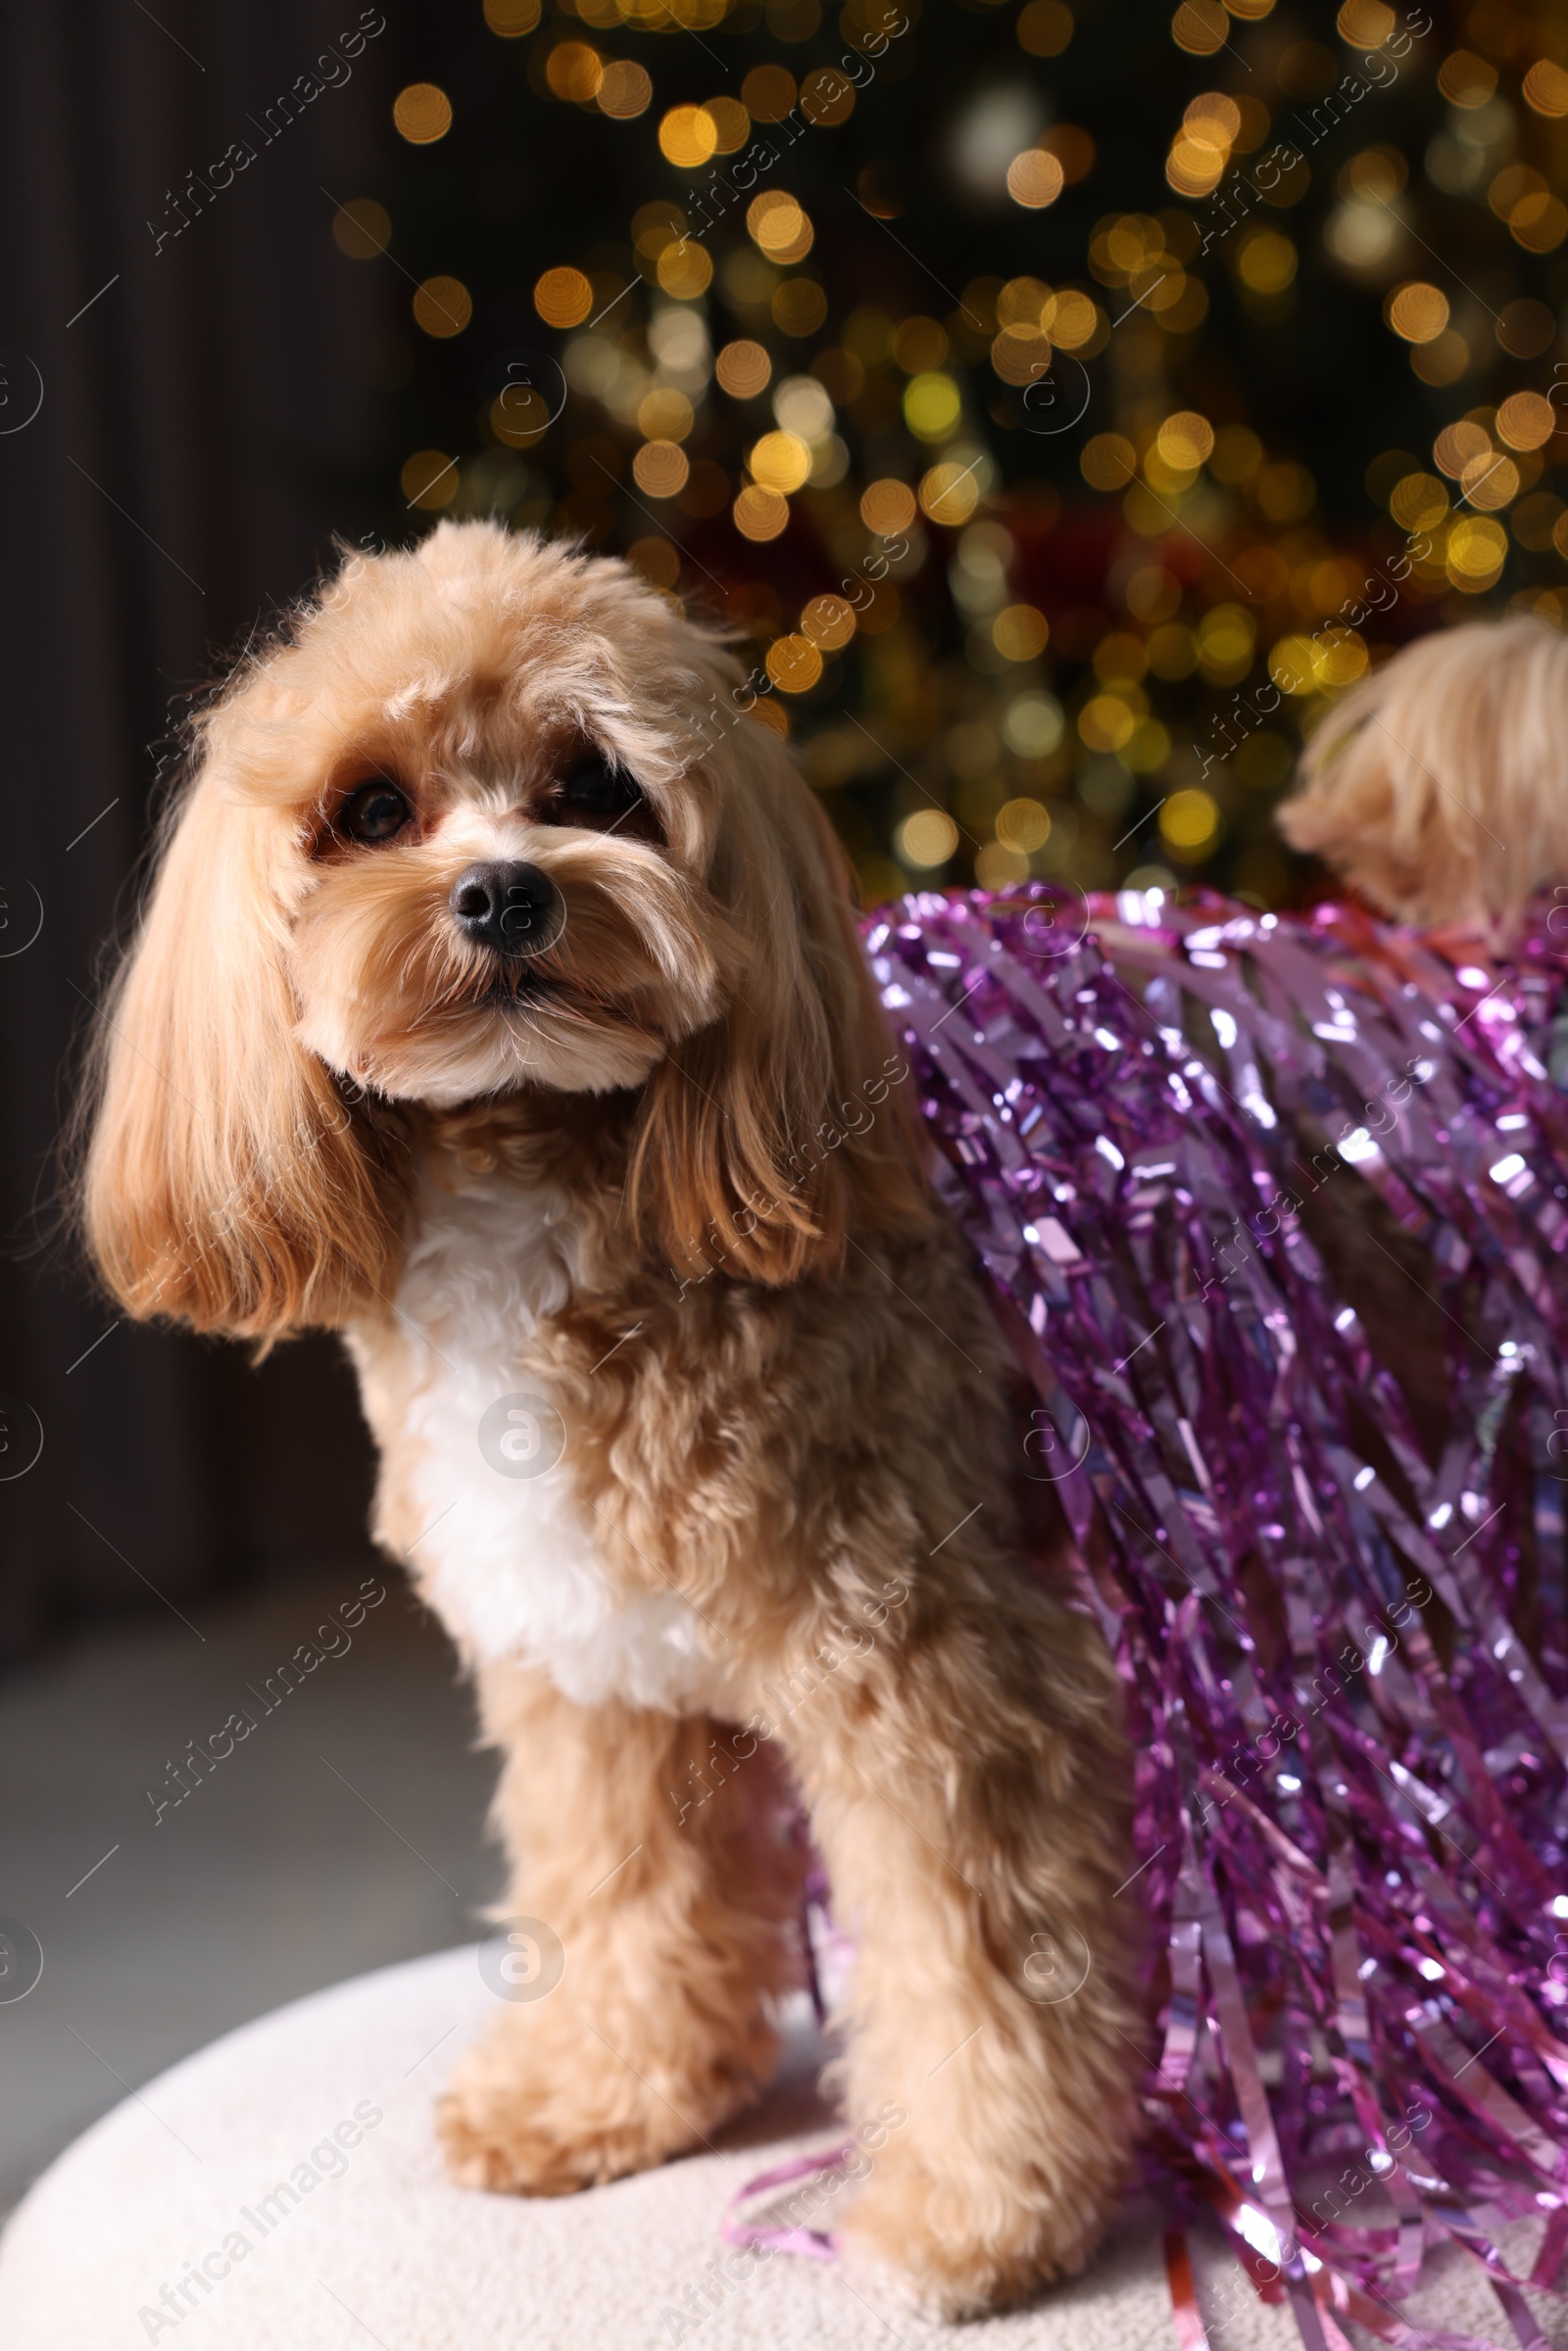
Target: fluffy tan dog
x=499 y=1003
x=1438 y=787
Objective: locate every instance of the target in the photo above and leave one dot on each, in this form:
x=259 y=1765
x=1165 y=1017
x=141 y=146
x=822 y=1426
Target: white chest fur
x=504 y=1551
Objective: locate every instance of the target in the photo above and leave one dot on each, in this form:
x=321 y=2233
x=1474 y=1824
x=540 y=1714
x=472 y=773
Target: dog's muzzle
x=514 y=910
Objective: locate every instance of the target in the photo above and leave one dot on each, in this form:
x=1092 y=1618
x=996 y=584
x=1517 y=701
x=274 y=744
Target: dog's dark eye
x=375 y=813
x=598 y=792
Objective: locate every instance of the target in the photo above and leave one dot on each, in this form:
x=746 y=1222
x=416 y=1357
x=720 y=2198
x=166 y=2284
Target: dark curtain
x=212 y=409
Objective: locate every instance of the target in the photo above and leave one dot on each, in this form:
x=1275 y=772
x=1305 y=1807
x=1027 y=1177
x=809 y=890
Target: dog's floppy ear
x=226 y=1183
x=770 y=1136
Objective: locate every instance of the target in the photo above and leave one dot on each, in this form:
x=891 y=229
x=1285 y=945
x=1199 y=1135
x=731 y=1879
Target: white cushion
x=374 y=2245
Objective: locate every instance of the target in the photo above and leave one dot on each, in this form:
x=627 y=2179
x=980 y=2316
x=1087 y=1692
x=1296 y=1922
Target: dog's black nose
x=514 y=908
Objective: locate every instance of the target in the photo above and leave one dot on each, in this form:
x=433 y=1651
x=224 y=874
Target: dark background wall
x=206 y=424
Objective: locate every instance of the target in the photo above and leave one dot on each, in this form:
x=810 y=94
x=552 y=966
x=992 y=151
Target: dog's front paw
x=495 y=2143
x=910 y=2242
x=542 y=2112
x=492 y=2149
x=508 y=2127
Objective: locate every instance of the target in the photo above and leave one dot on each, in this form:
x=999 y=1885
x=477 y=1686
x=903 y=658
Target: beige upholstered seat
x=283 y=2191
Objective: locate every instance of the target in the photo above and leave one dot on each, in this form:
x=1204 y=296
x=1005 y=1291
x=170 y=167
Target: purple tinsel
x=1352 y=1852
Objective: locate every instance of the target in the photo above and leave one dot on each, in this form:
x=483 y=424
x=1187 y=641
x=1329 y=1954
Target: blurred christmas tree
x=1069 y=401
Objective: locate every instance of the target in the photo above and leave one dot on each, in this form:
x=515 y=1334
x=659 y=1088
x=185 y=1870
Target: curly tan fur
x=1439 y=786
x=674 y=1193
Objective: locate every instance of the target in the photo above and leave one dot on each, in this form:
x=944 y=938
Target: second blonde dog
x=1438 y=787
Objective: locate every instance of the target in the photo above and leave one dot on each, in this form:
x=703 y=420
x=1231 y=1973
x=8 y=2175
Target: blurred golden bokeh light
x=1418 y=502
x=656 y=560
x=799 y=306
x=1073 y=319
x=780 y=460
x=829 y=622
x=1033 y=725
x=932 y=405
x=1020 y=632
x=949 y=494
x=1365 y=24
x=743 y=369
x=429 y=479
x=778 y=226
x=1035 y=179
x=731 y=123
x=685 y=270
x=574 y=71
x=362 y=229
x=423 y=113
x=761 y=513
x=887 y=507
x=1545 y=88
x=665 y=415
x=1188 y=822
x=518 y=414
x=927 y=838
x=1456 y=444
x=626 y=90
x=442 y=307
x=1023 y=825
x=1417 y=311
x=1044 y=27
x=1475 y=552
x=563 y=297
x=1266 y=261
x=1490 y=481
x=1109 y=461
x=1465 y=79
x=687 y=136
x=794 y=663
x=1185 y=439
x=1201 y=27
x=768 y=93
x=1526 y=421
x=661 y=468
